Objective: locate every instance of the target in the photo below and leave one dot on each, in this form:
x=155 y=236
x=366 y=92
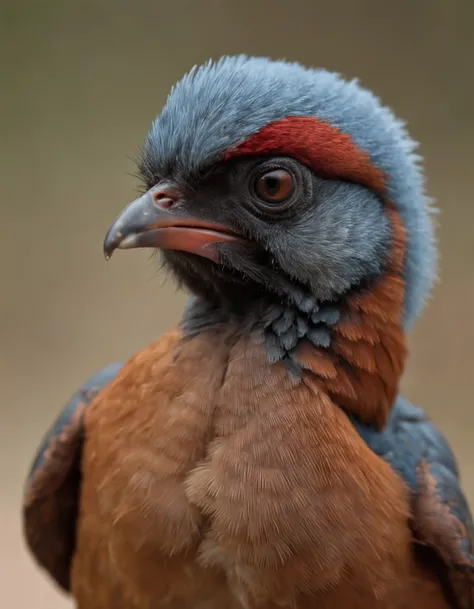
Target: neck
x=353 y=349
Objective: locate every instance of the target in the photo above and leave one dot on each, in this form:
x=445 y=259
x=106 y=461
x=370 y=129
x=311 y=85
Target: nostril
x=164 y=195
x=162 y=198
x=163 y=201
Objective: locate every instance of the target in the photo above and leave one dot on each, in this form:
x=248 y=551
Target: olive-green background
x=80 y=83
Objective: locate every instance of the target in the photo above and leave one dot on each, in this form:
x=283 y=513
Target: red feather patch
x=328 y=151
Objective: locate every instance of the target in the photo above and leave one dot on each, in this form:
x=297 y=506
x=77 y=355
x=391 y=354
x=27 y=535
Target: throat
x=353 y=350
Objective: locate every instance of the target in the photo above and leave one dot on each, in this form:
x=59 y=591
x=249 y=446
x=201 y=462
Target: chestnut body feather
x=238 y=489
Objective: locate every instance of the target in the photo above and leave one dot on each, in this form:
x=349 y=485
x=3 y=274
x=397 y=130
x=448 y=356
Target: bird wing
x=441 y=518
x=53 y=485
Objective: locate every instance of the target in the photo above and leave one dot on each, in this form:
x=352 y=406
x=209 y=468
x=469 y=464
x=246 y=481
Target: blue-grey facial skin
x=220 y=104
x=328 y=238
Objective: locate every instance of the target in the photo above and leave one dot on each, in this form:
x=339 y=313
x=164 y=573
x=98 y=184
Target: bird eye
x=275 y=186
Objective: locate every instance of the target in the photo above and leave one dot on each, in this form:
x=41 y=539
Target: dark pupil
x=272 y=185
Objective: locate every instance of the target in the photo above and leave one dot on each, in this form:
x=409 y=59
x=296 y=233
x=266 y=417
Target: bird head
x=269 y=182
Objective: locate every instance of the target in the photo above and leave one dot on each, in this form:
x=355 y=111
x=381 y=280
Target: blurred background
x=80 y=83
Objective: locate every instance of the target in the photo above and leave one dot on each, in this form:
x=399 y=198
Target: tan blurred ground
x=80 y=82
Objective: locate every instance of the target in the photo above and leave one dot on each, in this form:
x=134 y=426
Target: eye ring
x=274 y=186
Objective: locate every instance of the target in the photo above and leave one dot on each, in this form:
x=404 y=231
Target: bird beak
x=149 y=221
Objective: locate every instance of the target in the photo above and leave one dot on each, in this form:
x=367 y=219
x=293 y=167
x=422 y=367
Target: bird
x=259 y=454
